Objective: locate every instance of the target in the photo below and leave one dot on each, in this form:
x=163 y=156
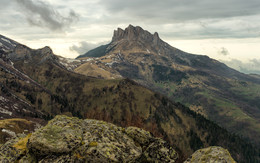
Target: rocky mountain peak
x=132 y=38
x=137 y=33
x=46 y=50
x=156 y=38
x=22 y=52
x=46 y=53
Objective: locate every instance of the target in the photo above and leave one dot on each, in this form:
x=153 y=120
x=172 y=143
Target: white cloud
x=84 y=47
x=250 y=67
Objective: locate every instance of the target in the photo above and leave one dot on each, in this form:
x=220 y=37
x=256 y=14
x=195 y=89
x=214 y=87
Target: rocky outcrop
x=211 y=154
x=66 y=139
x=15 y=51
x=7 y=44
x=131 y=40
x=132 y=33
x=22 y=52
x=46 y=53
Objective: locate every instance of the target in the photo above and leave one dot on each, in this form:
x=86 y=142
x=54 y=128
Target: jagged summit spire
x=137 y=33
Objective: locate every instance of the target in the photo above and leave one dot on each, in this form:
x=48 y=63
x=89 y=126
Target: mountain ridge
x=207 y=86
x=154 y=42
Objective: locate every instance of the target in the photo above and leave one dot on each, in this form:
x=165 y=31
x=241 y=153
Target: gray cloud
x=182 y=10
x=174 y=20
x=251 y=67
x=39 y=13
x=5 y=4
x=199 y=19
x=84 y=47
x=223 y=51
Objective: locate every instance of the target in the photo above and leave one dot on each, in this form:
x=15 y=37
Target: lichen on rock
x=11 y=151
x=139 y=135
x=159 y=151
x=66 y=139
x=211 y=154
x=61 y=135
x=105 y=141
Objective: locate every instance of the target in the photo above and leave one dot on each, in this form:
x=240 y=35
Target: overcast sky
x=227 y=30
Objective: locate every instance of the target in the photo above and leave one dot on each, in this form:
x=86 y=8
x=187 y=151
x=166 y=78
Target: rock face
x=7 y=44
x=66 y=139
x=131 y=39
x=132 y=33
x=22 y=52
x=46 y=53
x=211 y=154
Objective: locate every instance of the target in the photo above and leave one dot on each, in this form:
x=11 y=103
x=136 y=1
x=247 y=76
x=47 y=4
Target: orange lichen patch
x=78 y=156
x=21 y=144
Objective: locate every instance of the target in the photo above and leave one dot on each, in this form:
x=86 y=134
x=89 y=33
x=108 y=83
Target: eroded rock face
x=66 y=139
x=132 y=33
x=21 y=52
x=211 y=154
x=46 y=54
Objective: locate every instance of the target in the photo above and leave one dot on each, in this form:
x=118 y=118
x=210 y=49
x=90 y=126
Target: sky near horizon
x=226 y=30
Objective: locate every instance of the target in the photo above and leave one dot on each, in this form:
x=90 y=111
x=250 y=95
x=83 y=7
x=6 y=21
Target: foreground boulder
x=211 y=154
x=66 y=139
